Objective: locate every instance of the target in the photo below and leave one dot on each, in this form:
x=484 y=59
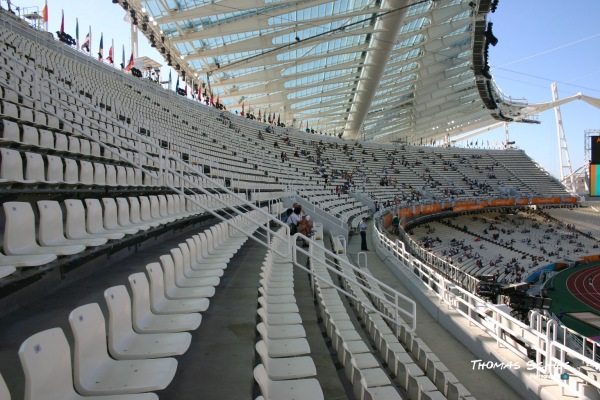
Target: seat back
x=86 y=175
x=89 y=330
x=72 y=171
x=110 y=213
x=134 y=210
x=50 y=229
x=119 y=319
x=261 y=349
x=75 y=223
x=99 y=174
x=123 y=211
x=141 y=297
x=11 y=167
x=94 y=220
x=168 y=267
x=4 y=393
x=35 y=170
x=162 y=201
x=46 y=361
x=111 y=175
x=145 y=209
x=261 y=377
x=154 y=207
x=55 y=169
x=19 y=229
x=157 y=282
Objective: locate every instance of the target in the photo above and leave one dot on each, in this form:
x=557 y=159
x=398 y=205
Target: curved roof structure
x=386 y=70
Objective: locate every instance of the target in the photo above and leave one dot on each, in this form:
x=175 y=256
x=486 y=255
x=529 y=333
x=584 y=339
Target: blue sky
x=540 y=42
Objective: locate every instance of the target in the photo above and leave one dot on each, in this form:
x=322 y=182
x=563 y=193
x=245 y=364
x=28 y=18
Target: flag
x=211 y=99
x=279 y=120
x=130 y=65
x=62 y=22
x=199 y=90
x=86 y=43
x=101 y=47
x=110 y=56
x=259 y=117
x=177 y=85
x=170 y=76
x=45 y=13
x=123 y=58
x=243 y=113
x=186 y=88
x=77 y=32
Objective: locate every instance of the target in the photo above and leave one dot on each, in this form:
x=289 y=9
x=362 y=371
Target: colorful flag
x=45 y=13
x=130 y=65
x=110 y=56
x=243 y=113
x=77 y=32
x=62 y=22
x=101 y=48
x=86 y=43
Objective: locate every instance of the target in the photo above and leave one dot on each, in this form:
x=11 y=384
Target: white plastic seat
x=188 y=265
x=97 y=374
x=6 y=270
x=46 y=361
x=287 y=390
x=75 y=227
x=176 y=284
x=111 y=218
x=11 y=167
x=277 y=308
x=51 y=232
x=146 y=321
x=86 y=172
x=287 y=367
x=19 y=233
x=124 y=343
x=10 y=131
x=111 y=175
x=95 y=219
x=124 y=216
x=135 y=214
x=203 y=245
x=162 y=304
x=179 y=277
x=202 y=261
x=172 y=291
x=279 y=318
x=286 y=347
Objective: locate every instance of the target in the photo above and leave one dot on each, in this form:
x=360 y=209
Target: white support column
x=566 y=172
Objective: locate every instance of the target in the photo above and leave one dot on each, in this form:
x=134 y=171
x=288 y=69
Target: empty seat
x=97 y=374
x=11 y=167
x=144 y=320
x=19 y=233
x=161 y=304
x=75 y=226
x=125 y=343
x=287 y=389
x=285 y=368
x=6 y=270
x=51 y=232
x=95 y=220
x=46 y=361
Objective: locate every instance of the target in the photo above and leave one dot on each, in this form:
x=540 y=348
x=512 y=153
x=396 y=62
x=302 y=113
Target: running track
x=579 y=286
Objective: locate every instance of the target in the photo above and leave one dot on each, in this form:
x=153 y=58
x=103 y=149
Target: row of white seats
x=134 y=356
x=362 y=368
x=89 y=226
x=417 y=369
x=287 y=370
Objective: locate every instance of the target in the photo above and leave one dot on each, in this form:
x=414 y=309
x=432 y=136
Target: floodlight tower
x=566 y=172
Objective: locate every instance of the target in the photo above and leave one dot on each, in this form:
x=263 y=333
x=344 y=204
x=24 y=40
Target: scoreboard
x=595 y=166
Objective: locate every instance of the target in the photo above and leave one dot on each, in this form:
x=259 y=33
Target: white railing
x=552 y=358
x=394 y=307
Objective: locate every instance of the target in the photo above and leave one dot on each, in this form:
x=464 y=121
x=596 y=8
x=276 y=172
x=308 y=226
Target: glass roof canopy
x=385 y=70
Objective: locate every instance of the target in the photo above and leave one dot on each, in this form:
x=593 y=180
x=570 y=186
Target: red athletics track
x=579 y=286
